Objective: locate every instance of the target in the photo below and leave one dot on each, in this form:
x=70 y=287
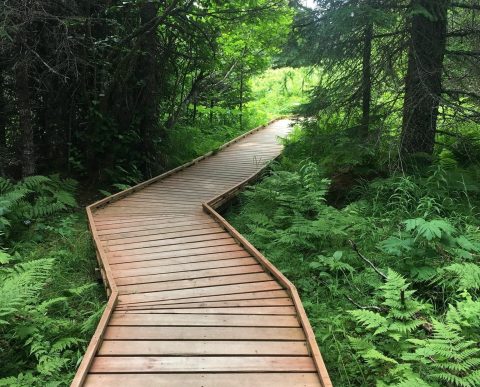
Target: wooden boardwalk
x=191 y=302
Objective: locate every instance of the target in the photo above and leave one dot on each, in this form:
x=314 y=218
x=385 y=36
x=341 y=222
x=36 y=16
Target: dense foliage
x=411 y=62
x=373 y=212
x=97 y=88
x=391 y=280
x=50 y=301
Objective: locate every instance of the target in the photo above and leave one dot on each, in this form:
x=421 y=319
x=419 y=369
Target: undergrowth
x=50 y=301
x=391 y=280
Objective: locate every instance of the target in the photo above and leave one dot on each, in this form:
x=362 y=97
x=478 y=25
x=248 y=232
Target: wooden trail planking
x=192 y=303
x=205 y=380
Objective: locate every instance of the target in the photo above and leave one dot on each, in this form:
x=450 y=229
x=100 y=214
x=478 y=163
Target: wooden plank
x=142 y=319
x=163 y=199
x=121 y=208
x=135 y=238
x=198 y=264
x=150 y=208
x=260 y=295
x=200 y=283
x=196 y=348
x=188 y=275
x=171 y=255
x=115 y=225
x=160 y=190
x=104 y=364
x=203 y=333
x=258 y=303
x=196 y=186
x=159 y=202
x=182 y=247
x=198 y=292
x=267 y=310
x=155 y=230
x=206 y=178
x=100 y=220
x=205 y=380
x=155 y=227
x=219 y=173
x=124 y=213
x=166 y=265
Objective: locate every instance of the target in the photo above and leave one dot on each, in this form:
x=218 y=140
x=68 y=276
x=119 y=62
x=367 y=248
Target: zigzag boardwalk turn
x=192 y=303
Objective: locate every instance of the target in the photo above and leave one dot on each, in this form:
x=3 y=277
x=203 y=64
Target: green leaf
x=4 y=258
x=466 y=244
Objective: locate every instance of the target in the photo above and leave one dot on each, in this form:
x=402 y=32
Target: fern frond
x=456 y=359
x=465 y=314
x=434 y=229
x=463 y=276
x=371 y=320
x=5 y=185
x=21 y=285
x=412 y=381
x=34 y=182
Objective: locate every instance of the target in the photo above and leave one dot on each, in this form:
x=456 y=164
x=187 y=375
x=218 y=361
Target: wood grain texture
x=117 y=364
x=204 y=380
x=196 y=348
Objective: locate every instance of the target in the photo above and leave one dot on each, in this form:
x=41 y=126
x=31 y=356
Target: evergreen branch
x=466 y=6
x=463 y=53
x=462 y=92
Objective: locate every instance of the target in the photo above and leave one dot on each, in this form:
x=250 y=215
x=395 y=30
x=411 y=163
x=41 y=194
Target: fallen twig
x=373 y=307
x=355 y=248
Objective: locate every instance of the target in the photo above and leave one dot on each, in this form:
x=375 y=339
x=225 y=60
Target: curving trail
x=191 y=302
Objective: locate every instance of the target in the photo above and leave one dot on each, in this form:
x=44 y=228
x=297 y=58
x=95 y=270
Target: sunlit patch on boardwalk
x=191 y=302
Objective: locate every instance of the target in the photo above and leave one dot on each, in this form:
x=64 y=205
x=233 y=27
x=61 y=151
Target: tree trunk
x=366 y=80
x=147 y=74
x=3 y=126
x=25 y=119
x=194 y=114
x=423 y=84
x=183 y=105
x=211 y=112
x=241 y=98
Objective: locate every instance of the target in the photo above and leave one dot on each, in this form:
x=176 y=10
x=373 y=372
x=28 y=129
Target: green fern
x=453 y=359
x=371 y=320
x=397 y=246
x=412 y=224
x=333 y=264
x=32 y=198
x=434 y=229
x=20 y=286
x=465 y=314
x=403 y=309
x=367 y=350
x=34 y=182
x=462 y=276
x=411 y=381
